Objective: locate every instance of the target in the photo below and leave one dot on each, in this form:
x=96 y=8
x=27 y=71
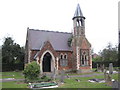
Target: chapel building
x=54 y=50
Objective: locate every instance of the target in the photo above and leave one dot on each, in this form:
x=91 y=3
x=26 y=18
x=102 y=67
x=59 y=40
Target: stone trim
x=52 y=61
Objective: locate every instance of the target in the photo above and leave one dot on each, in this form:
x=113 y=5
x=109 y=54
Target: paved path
x=10 y=79
x=58 y=76
x=87 y=75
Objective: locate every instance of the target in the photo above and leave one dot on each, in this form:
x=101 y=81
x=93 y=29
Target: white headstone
x=110 y=68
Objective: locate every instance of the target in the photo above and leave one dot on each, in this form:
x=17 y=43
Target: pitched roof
x=58 y=40
x=78 y=12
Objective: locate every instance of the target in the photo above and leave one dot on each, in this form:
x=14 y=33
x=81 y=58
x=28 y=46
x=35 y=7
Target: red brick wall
x=33 y=52
x=85 y=67
x=47 y=46
x=69 y=58
x=85 y=45
x=74 y=58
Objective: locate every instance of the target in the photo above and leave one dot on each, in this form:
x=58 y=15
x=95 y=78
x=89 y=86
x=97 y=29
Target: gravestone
x=54 y=74
x=102 y=67
x=77 y=80
x=109 y=75
x=108 y=78
x=62 y=76
x=96 y=80
x=110 y=68
x=105 y=74
x=115 y=84
x=97 y=68
x=68 y=76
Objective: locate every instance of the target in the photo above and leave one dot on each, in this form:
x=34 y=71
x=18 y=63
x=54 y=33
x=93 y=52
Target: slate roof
x=58 y=40
x=78 y=12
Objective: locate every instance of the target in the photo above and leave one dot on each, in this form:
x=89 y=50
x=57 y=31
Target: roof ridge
x=50 y=31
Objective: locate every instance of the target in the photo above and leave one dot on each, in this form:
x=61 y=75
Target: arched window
x=63 y=60
x=65 y=56
x=82 y=22
x=79 y=22
x=84 y=57
x=61 y=56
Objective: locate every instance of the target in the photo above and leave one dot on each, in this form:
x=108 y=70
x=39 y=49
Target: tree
x=109 y=54
x=12 y=53
x=0 y=58
x=119 y=53
x=7 y=51
x=97 y=59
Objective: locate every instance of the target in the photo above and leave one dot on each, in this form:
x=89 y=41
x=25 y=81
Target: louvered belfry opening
x=46 y=63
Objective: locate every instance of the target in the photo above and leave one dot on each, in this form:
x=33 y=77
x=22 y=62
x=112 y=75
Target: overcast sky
x=101 y=23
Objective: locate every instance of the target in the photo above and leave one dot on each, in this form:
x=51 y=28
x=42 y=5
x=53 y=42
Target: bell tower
x=80 y=45
x=78 y=22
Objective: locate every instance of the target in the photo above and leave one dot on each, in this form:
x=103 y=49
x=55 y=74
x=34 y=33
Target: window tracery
x=84 y=57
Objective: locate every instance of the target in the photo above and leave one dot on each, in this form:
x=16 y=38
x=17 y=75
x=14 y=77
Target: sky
x=101 y=23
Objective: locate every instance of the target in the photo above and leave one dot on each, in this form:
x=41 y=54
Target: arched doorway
x=46 y=63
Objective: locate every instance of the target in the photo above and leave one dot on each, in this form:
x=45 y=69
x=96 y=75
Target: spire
x=78 y=12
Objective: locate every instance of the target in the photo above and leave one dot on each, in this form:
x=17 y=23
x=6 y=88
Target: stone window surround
x=63 y=59
x=52 y=61
x=85 y=56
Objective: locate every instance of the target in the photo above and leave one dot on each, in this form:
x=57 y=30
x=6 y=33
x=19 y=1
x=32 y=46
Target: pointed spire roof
x=78 y=12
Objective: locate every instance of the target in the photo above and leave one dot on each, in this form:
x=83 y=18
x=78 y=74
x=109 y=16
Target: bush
x=31 y=72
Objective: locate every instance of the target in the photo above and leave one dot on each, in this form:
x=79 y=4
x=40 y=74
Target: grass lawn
x=69 y=83
x=14 y=84
x=72 y=83
x=16 y=75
